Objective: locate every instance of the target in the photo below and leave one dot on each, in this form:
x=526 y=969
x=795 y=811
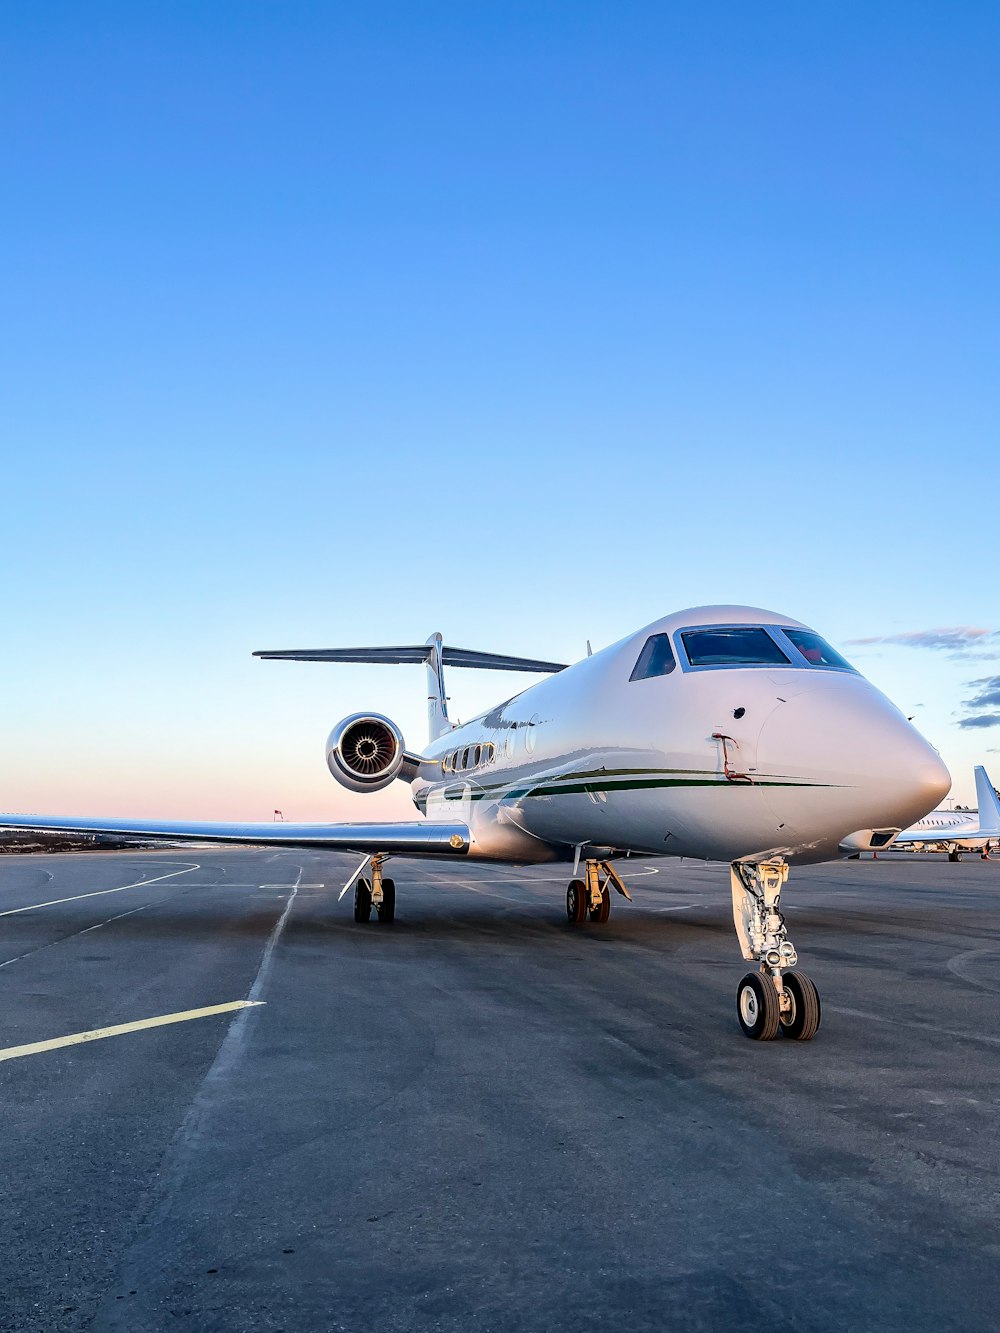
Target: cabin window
x=815 y=650
x=742 y=645
x=656 y=658
x=478 y=756
x=465 y=758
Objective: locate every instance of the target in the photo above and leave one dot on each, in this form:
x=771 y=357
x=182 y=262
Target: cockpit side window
x=741 y=645
x=815 y=650
x=656 y=658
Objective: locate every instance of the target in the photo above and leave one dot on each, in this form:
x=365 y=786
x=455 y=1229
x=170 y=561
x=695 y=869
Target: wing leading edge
x=415 y=838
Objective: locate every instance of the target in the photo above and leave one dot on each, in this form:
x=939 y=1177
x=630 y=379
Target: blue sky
x=344 y=323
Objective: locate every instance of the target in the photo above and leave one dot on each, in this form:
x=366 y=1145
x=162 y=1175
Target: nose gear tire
x=757 y=1007
x=802 y=1017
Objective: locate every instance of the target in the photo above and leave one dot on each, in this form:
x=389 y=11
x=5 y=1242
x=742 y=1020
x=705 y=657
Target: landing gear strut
x=376 y=892
x=591 y=897
x=772 y=1000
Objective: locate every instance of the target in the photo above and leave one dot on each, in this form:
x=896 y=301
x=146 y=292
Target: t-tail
x=435 y=654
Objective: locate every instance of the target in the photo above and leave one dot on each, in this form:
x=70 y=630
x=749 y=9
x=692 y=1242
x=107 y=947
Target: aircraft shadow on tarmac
x=518 y=924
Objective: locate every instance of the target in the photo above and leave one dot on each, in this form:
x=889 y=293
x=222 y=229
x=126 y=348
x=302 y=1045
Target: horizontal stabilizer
x=417 y=653
x=410 y=838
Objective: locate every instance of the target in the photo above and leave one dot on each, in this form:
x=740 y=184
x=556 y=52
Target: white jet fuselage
x=726 y=763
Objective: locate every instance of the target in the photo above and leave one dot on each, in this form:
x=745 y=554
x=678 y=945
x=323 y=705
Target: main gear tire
x=576 y=902
x=363 y=900
x=757 y=1007
x=387 y=908
x=602 y=911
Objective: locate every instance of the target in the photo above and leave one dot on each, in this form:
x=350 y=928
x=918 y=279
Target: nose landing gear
x=773 y=1000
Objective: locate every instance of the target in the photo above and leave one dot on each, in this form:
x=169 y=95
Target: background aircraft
x=959 y=830
x=726 y=733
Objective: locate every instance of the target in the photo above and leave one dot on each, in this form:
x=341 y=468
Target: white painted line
x=562 y=879
x=685 y=907
x=273 y=938
x=98 y=893
x=119 y=1030
x=106 y=922
x=961 y=963
x=233 y=1043
x=296 y=885
x=228 y=885
x=981 y=1037
x=472 y=888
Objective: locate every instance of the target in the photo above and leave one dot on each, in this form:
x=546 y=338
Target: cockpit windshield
x=742 y=645
x=753 y=646
x=815 y=650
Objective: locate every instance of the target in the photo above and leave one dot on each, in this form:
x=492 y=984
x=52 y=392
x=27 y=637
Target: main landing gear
x=773 y=1000
x=591 y=897
x=376 y=892
x=954 y=854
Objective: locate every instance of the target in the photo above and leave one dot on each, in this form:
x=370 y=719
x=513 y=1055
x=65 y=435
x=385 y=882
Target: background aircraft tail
x=989 y=806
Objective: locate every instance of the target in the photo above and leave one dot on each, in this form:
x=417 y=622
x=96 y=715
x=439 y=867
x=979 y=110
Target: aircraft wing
x=931 y=837
x=411 y=838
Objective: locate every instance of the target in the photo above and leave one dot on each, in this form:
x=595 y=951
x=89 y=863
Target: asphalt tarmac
x=481 y=1118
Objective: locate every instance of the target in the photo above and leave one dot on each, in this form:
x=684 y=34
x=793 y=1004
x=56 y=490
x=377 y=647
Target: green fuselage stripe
x=571 y=785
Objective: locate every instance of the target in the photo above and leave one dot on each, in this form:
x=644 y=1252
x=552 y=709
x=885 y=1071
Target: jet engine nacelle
x=365 y=752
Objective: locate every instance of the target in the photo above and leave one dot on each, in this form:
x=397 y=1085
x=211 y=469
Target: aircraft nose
x=928 y=781
x=845 y=742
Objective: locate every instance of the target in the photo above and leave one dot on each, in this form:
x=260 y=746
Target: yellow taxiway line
x=119 y=1030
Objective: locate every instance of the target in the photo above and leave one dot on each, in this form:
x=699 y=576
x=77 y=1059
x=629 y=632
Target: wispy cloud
x=988 y=695
x=981 y=706
x=985 y=696
x=956 y=641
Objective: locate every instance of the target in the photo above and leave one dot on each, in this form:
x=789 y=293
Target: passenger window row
x=473 y=756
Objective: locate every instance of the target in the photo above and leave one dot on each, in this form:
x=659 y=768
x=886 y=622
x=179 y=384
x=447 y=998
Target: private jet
x=724 y=733
x=959 y=831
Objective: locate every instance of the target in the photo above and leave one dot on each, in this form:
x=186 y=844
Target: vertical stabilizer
x=989 y=806
x=437 y=701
